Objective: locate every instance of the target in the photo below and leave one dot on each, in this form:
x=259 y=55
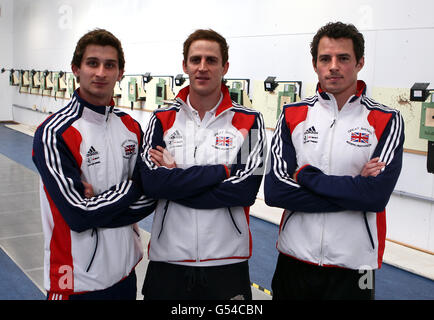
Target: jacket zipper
x=164 y=217
x=94 y=230
x=369 y=230
x=332 y=127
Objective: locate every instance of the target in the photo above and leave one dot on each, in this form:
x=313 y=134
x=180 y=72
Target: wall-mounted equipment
x=14 y=79
x=420 y=92
x=287 y=96
x=63 y=86
x=141 y=92
x=147 y=77
x=59 y=84
x=160 y=92
x=35 y=81
x=236 y=92
x=239 y=90
x=25 y=79
x=270 y=84
x=136 y=91
x=46 y=81
x=132 y=89
x=117 y=90
x=179 y=80
x=71 y=83
x=427 y=120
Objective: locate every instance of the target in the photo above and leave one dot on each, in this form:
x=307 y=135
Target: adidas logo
x=176 y=139
x=311 y=130
x=310 y=135
x=175 y=135
x=92 y=157
x=91 y=152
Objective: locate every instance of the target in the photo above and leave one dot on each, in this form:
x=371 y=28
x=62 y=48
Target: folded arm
x=280 y=189
x=367 y=193
x=247 y=169
x=166 y=181
x=61 y=176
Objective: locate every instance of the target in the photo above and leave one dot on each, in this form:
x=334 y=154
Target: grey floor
x=21 y=236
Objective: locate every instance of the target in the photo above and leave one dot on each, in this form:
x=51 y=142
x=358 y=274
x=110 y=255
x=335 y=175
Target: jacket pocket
x=369 y=230
x=136 y=232
x=164 y=218
x=286 y=220
x=233 y=221
x=94 y=231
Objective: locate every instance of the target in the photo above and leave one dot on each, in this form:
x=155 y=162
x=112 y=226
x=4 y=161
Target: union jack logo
x=223 y=141
x=130 y=149
x=360 y=137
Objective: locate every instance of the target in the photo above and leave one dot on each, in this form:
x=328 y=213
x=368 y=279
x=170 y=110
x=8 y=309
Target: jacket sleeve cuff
x=296 y=178
x=228 y=173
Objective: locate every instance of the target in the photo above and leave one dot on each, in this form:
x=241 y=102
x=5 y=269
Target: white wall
x=6 y=59
x=266 y=38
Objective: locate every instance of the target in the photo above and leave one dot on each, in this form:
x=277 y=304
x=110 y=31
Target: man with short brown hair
x=91 y=195
x=204 y=162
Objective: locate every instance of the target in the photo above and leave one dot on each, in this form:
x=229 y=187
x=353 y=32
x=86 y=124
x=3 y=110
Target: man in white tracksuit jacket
x=92 y=244
x=200 y=240
x=335 y=160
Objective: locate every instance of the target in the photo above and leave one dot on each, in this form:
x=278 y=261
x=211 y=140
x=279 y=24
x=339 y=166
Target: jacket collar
x=225 y=104
x=98 y=109
x=361 y=90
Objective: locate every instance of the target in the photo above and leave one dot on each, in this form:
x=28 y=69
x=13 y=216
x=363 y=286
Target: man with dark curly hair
x=335 y=159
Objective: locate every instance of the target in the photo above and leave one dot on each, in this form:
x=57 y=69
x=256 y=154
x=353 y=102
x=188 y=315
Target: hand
x=372 y=168
x=162 y=157
x=88 y=190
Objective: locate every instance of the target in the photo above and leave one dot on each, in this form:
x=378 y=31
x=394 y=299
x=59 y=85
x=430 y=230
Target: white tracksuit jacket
x=202 y=216
x=333 y=216
x=90 y=244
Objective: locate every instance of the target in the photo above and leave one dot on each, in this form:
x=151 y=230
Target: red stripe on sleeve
x=243 y=122
x=379 y=120
x=167 y=119
x=61 y=263
x=381 y=235
x=131 y=125
x=73 y=140
x=294 y=116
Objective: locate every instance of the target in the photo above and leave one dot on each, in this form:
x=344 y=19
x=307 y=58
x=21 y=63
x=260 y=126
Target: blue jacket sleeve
x=280 y=189
x=175 y=183
x=363 y=193
x=61 y=178
x=246 y=175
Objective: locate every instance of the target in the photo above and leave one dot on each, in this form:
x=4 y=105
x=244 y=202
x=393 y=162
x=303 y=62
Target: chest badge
x=129 y=148
x=224 y=141
x=359 y=137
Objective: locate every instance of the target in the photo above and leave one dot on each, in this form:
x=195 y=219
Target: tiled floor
x=21 y=237
x=20 y=228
